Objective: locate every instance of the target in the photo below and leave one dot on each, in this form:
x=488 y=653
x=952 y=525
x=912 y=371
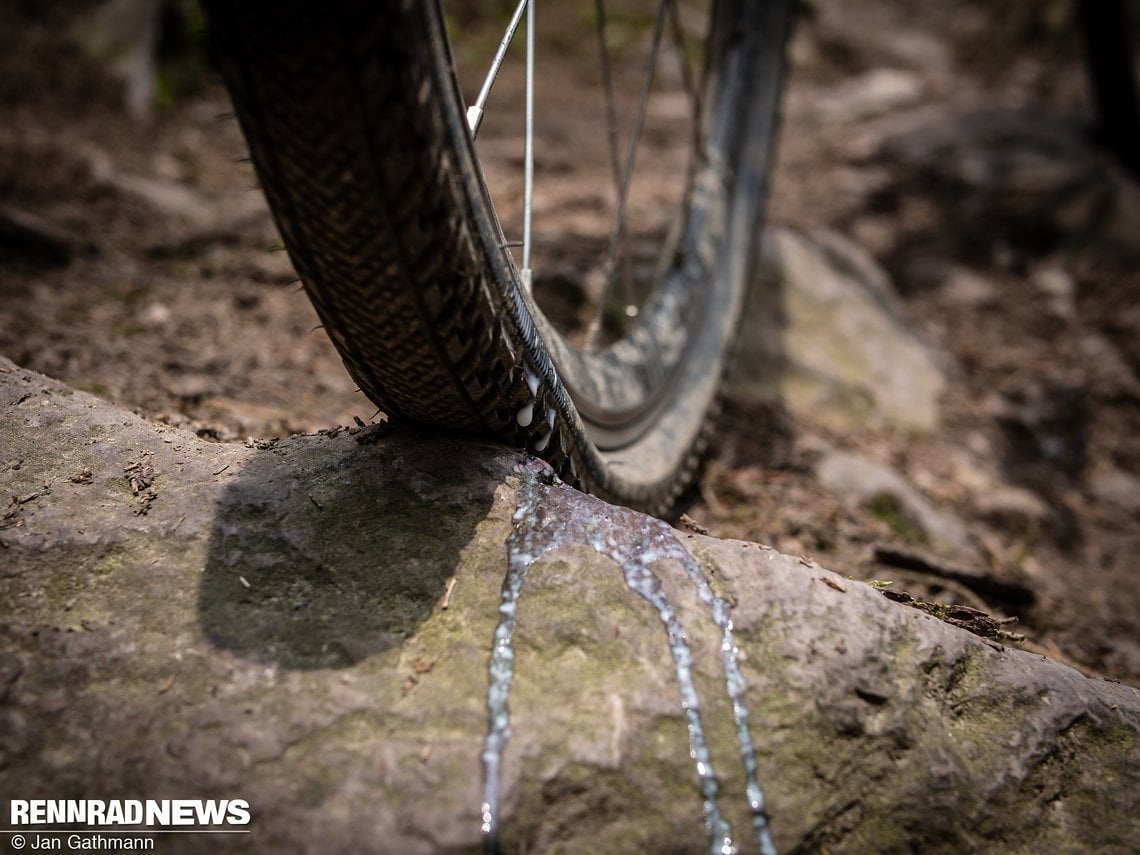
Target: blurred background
x=940 y=381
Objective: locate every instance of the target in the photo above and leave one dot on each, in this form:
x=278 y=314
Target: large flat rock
x=307 y=625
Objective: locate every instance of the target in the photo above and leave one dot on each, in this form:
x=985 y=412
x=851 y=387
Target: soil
x=139 y=263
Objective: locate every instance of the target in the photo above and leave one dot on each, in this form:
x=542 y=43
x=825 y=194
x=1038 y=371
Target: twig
x=981 y=582
x=447 y=593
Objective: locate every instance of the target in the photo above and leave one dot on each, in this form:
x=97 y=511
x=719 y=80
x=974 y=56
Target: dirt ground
x=138 y=263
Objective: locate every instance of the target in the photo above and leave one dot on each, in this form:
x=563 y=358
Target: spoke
x=475 y=111
x=615 y=156
x=608 y=83
x=617 y=231
x=528 y=155
x=687 y=76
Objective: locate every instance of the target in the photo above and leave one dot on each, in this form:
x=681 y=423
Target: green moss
x=111 y=561
x=317 y=788
x=99 y=390
x=1080 y=795
x=886 y=509
x=65 y=583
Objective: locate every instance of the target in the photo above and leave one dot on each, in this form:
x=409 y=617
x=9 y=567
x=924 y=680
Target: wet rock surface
x=307 y=624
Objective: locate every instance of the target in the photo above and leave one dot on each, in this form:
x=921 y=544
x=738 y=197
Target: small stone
x=1124 y=655
x=1059 y=289
x=879 y=234
x=874 y=93
x=1117 y=487
x=154 y=315
x=968 y=290
x=83 y=476
x=191 y=385
x=1111 y=373
x=1013 y=508
x=863 y=482
x=167 y=197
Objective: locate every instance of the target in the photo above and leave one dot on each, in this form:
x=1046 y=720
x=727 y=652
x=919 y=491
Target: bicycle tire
x=357 y=132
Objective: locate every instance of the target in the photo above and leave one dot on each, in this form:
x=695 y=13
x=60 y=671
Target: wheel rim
x=620 y=385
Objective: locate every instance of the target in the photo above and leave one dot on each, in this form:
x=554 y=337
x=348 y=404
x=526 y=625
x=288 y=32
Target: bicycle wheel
x=360 y=139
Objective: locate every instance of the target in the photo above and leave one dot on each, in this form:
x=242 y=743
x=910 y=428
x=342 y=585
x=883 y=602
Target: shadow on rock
x=329 y=549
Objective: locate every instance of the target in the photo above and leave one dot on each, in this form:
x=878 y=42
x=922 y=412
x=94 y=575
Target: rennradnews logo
x=149 y=813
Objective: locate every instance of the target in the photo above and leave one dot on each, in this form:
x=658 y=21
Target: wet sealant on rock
x=545 y=520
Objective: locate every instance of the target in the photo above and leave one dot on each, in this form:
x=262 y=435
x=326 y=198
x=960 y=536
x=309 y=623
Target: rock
x=825 y=335
x=1013 y=508
x=1109 y=374
x=1059 y=289
x=869 y=36
x=968 y=289
x=871 y=94
x=1020 y=152
x=168 y=198
x=1117 y=487
x=972 y=467
x=307 y=624
x=864 y=482
x=1124 y=653
x=1021 y=174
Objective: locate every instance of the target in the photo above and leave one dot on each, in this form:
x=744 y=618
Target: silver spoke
x=528 y=155
x=475 y=118
x=608 y=84
x=614 y=145
x=687 y=77
x=475 y=111
x=617 y=268
x=618 y=229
